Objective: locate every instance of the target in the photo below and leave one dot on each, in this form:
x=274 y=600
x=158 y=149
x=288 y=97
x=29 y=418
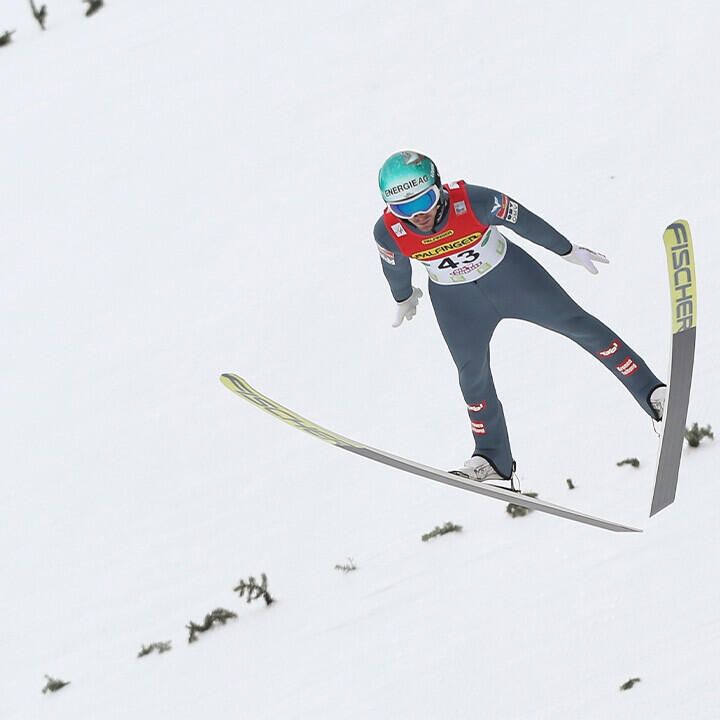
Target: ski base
x=241 y=387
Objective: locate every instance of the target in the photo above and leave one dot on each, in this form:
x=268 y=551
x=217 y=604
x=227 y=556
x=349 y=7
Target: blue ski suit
x=503 y=281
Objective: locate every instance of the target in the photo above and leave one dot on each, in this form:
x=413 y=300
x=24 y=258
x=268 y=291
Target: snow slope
x=165 y=170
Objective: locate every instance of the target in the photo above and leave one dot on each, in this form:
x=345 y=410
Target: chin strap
x=442 y=208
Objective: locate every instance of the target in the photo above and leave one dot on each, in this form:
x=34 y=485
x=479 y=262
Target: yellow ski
x=683 y=302
x=242 y=388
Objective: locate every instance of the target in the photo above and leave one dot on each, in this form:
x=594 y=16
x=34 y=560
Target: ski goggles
x=419 y=204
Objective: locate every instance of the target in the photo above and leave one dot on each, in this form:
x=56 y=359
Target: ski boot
x=479 y=469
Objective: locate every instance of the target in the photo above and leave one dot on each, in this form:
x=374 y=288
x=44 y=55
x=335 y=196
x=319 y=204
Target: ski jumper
x=477 y=278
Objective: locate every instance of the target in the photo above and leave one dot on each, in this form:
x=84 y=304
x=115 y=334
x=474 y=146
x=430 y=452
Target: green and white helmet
x=406 y=174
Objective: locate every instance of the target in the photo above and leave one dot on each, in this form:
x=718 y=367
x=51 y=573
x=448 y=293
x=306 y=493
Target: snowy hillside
x=189 y=189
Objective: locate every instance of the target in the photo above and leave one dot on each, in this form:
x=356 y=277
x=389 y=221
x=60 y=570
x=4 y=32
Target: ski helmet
x=405 y=174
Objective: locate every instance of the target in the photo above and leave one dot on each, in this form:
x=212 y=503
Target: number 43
x=470 y=257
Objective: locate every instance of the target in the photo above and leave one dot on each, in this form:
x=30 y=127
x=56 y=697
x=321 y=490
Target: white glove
x=583 y=256
x=407 y=308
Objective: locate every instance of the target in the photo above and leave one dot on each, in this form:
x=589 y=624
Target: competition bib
x=478 y=253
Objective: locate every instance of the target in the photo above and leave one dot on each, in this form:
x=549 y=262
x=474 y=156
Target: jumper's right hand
x=407 y=308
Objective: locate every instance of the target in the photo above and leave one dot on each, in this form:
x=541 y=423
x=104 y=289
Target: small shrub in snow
x=53 y=685
x=629 y=683
x=253 y=590
x=6 y=37
x=448 y=527
x=93 y=7
x=629 y=461
x=40 y=14
x=220 y=615
x=695 y=434
x=570 y=484
x=161 y=647
x=348 y=567
x=518 y=510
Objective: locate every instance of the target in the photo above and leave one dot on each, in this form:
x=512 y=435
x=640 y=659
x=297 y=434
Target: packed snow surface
x=188 y=189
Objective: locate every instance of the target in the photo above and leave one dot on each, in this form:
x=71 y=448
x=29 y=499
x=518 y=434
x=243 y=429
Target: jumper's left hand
x=586 y=258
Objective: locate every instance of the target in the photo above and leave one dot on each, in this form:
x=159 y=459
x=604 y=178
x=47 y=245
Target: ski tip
x=232 y=381
x=229 y=376
x=679 y=228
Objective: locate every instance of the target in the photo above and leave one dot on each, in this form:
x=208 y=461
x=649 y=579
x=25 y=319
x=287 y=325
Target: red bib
x=461 y=252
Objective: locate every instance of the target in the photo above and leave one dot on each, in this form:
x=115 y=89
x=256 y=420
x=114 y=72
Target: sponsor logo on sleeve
x=478 y=428
x=500 y=206
x=611 y=350
x=386 y=255
x=398 y=229
x=512 y=212
x=627 y=367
